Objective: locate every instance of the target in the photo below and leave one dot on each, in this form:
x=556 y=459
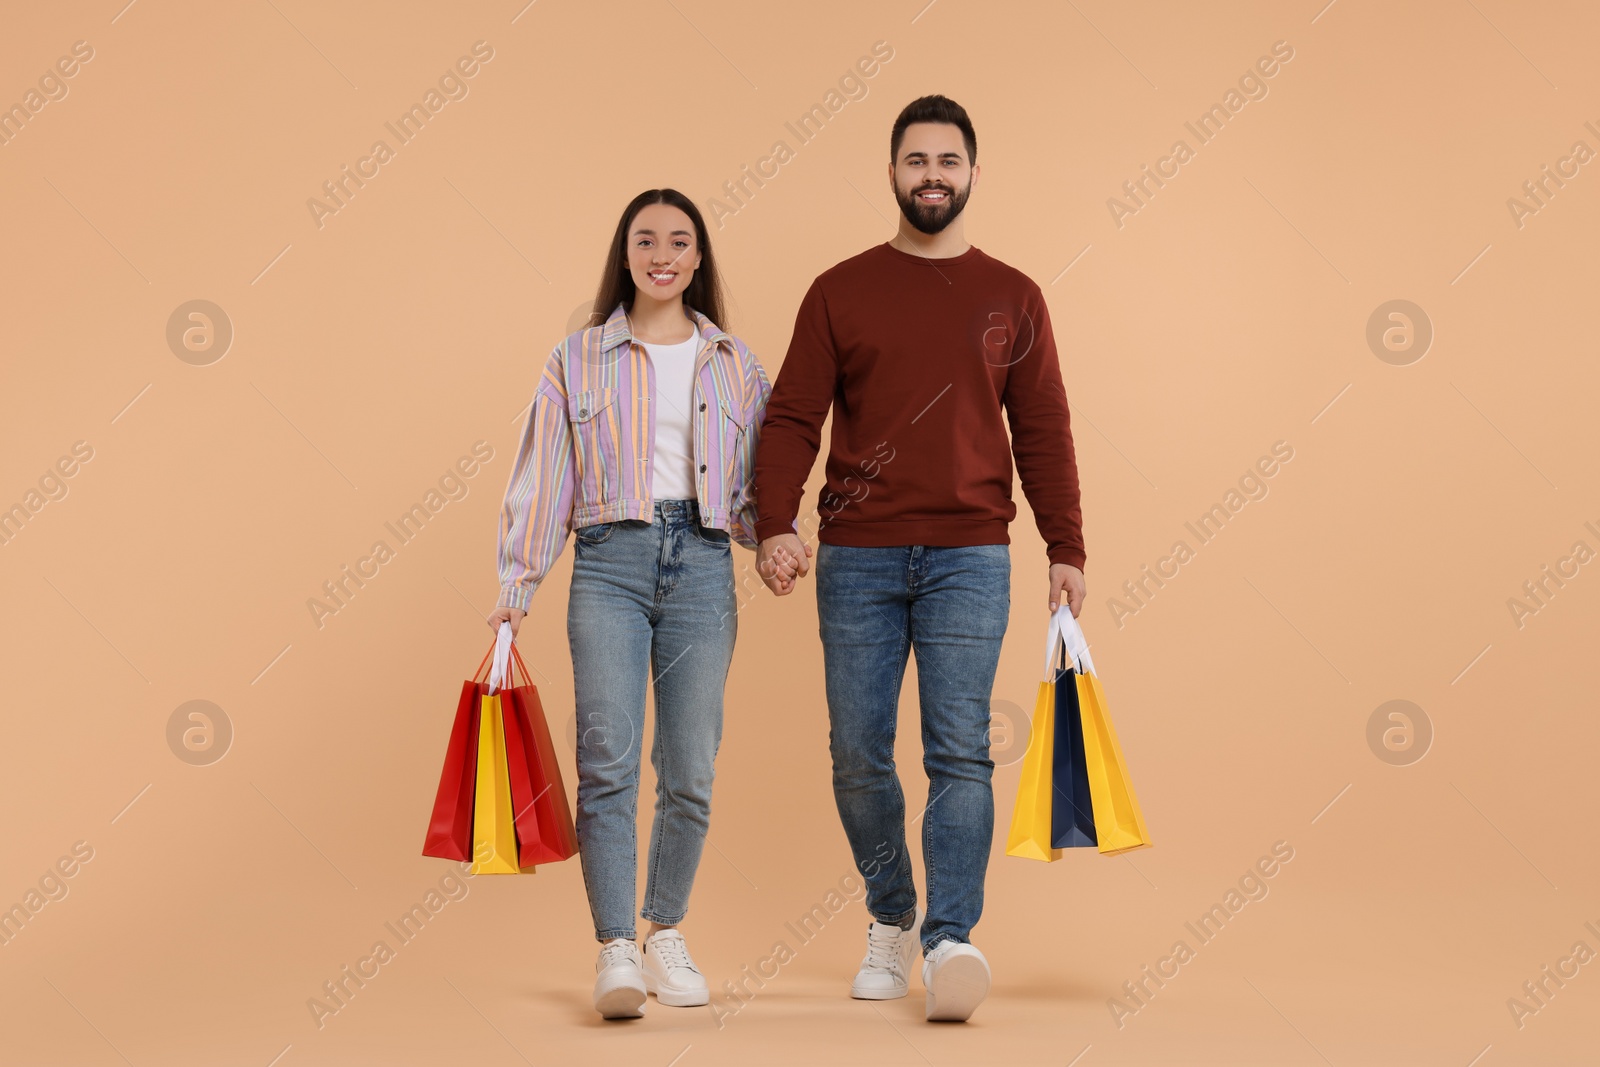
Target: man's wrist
x=1072 y=557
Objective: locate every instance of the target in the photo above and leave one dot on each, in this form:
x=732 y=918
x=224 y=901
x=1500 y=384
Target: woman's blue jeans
x=649 y=601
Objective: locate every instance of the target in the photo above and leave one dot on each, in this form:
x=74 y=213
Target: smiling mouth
x=933 y=196
x=663 y=277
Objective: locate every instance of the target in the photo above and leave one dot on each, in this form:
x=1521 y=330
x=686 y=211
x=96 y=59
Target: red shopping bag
x=450 y=828
x=545 y=833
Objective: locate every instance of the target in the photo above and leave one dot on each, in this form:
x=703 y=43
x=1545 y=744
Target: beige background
x=1230 y=312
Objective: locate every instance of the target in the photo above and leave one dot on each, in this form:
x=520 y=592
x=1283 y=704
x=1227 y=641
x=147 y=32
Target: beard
x=932 y=218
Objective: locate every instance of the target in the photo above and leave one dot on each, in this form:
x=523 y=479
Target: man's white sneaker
x=670 y=974
x=619 y=991
x=957 y=979
x=884 y=973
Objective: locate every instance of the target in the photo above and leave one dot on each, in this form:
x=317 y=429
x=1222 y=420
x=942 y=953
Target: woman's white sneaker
x=885 y=972
x=619 y=989
x=957 y=979
x=670 y=974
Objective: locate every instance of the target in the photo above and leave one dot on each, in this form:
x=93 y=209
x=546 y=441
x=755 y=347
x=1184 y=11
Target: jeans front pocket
x=710 y=535
x=597 y=534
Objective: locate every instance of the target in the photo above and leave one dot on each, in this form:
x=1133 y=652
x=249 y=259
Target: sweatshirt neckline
x=968 y=256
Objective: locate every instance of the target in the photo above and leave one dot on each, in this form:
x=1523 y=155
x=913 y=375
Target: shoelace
x=673 y=954
x=615 y=953
x=882 y=949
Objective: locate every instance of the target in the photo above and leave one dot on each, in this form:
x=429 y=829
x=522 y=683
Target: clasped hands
x=783 y=560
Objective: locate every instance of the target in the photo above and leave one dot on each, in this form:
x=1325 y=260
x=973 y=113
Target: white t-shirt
x=673 y=476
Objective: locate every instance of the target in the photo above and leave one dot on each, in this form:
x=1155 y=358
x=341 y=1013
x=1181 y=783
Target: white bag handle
x=1063 y=627
x=500 y=670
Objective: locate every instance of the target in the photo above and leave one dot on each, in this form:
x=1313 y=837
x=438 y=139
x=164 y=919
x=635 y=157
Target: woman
x=641 y=440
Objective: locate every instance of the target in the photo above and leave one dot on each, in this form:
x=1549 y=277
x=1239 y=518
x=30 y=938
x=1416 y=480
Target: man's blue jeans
x=649 y=600
x=949 y=606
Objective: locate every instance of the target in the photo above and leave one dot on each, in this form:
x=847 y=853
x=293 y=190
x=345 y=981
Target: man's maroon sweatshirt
x=917 y=358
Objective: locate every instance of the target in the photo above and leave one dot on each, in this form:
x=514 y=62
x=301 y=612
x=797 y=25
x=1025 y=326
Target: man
x=918 y=345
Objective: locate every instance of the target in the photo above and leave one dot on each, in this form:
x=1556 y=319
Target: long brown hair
x=704 y=292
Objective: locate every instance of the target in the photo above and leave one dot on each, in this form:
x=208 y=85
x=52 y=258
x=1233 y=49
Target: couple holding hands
x=656 y=440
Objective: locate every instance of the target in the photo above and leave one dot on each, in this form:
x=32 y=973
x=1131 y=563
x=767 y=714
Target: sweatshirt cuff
x=1072 y=556
x=774 y=527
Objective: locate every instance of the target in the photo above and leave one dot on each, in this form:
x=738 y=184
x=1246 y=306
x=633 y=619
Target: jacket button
x=702 y=406
x=582 y=412
x=702 y=468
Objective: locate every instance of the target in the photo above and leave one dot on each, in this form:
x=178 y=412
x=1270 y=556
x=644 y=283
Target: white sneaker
x=884 y=974
x=957 y=978
x=619 y=991
x=670 y=974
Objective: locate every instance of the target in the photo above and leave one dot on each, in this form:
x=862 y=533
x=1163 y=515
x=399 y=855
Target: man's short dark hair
x=934 y=109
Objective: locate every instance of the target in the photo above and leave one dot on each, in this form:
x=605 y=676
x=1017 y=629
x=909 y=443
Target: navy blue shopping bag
x=1071 y=812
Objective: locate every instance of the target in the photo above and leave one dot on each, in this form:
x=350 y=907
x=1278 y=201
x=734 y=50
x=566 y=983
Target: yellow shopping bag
x=494 y=838
x=1030 y=820
x=1118 y=822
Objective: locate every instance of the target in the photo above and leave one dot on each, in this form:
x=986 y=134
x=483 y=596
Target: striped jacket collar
x=616 y=331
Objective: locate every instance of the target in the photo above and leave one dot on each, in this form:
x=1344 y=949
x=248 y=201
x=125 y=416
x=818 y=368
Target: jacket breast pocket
x=730 y=442
x=596 y=440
